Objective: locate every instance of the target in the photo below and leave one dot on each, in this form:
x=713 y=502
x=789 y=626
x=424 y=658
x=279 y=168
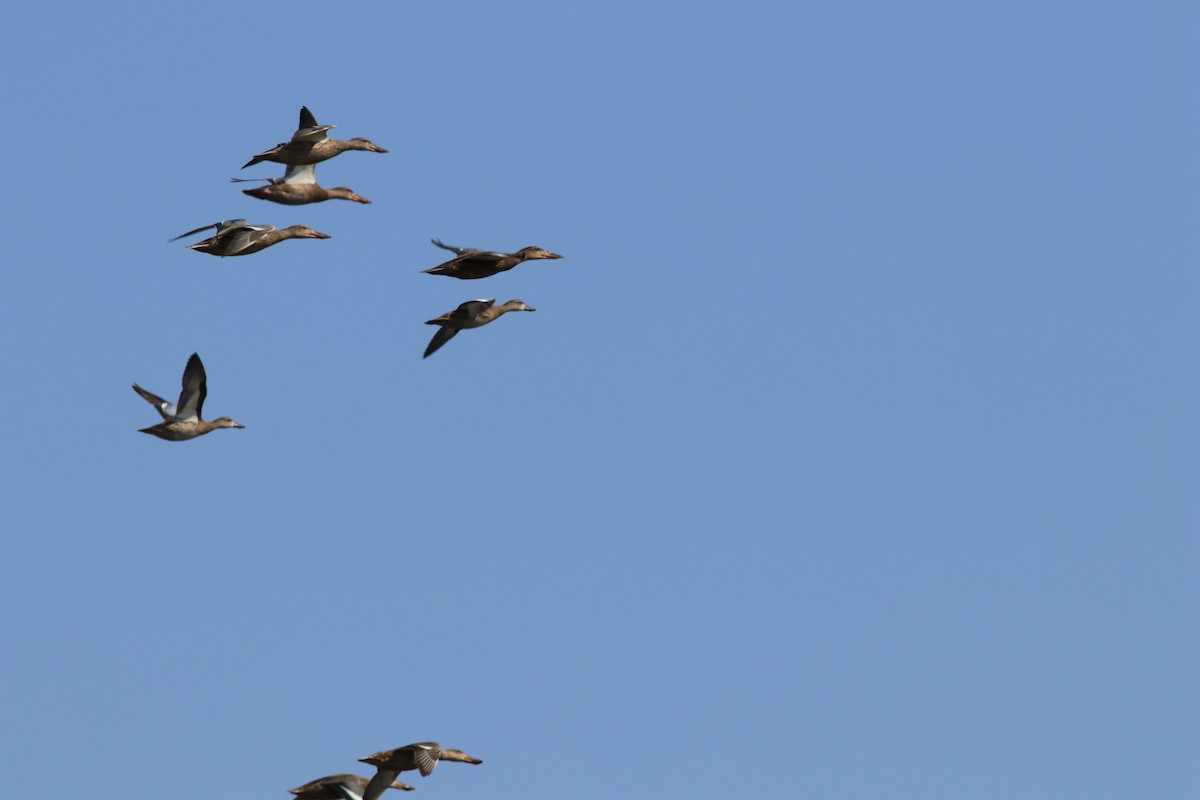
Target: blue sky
x=850 y=453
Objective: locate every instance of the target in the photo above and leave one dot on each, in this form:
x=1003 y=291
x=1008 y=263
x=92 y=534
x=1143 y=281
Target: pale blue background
x=851 y=453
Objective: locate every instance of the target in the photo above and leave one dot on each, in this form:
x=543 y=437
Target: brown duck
x=339 y=787
x=311 y=144
x=470 y=263
x=298 y=187
x=235 y=237
x=423 y=756
x=182 y=421
x=471 y=314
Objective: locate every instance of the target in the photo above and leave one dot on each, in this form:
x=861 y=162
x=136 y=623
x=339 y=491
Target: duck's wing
x=346 y=787
x=332 y=787
x=195 y=389
x=471 y=309
x=481 y=257
x=487 y=262
x=442 y=336
x=312 y=135
x=458 y=251
x=167 y=410
x=303 y=173
x=307 y=120
x=347 y=791
x=379 y=783
x=309 y=130
x=235 y=240
x=426 y=754
x=221 y=226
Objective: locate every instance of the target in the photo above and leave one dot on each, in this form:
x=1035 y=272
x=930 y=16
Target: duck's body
x=236 y=237
x=311 y=144
x=339 y=787
x=298 y=187
x=180 y=430
x=422 y=756
x=471 y=314
x=184 y=421
x=471 y=264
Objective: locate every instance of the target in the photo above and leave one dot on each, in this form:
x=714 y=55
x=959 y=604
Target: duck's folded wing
x=311 y=135
x=471 y=309
x=346 y=791
x=243 y=236
x=480 y=257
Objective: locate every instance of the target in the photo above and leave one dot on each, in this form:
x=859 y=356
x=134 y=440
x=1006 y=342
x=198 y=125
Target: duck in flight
x=236 y=237
x=297 y=187
x=470 y=263
x=310 y=144
x=182 y=421
x=471 y=314
x=423 y=756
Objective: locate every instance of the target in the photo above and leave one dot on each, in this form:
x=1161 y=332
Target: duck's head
x=530 y=253
x=226 y=422
x=365 y=144
x=305 y=232
x=342 y=193
x=459 y=755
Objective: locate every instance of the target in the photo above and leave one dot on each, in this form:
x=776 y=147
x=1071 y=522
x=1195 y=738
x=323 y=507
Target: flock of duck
x=309 y=146
x=422 y=757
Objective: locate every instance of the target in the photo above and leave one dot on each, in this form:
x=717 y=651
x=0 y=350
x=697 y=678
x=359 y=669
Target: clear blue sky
x=851 y=453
